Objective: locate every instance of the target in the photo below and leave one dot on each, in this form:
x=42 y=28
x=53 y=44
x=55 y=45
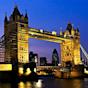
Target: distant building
x=43 y=61
x=33 y=57
x=55 y=58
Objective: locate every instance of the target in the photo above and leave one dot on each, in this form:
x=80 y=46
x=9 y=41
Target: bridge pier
x=76 y=72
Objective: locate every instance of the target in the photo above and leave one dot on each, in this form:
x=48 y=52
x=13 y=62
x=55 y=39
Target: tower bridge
x=17 y=34
x=15 y=48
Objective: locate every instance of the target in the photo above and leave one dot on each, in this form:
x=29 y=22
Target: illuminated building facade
x=70 y=50
x=17 y=33
x=16 y=37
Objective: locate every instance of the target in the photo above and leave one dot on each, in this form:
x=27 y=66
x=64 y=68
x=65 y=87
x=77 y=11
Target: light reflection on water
x=49 y=83
x=24 y=85
x=77 y=84
x=30 y=85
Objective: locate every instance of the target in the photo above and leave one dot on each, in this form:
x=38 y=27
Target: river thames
x=48 y=82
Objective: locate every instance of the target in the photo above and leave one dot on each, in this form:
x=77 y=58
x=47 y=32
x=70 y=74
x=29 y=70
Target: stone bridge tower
x=16 y=37
x=70 y=49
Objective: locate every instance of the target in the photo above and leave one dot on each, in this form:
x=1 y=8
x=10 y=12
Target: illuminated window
x=21 y=48
x=67 y=54
x=67 y=47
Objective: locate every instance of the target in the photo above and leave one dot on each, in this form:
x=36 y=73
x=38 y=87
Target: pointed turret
x=26 y=16
x=6 y=19
x=16 y=14
x=18 y=17
x=77 y=32
x=61 y=33
x=69 y=27
x=77 y=29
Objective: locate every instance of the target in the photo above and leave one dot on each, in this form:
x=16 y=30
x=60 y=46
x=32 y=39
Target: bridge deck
x=48 y=36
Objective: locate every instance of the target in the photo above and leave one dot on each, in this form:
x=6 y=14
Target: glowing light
x=5 y=67
x=59 y=64
x=54 y=33
x=32 y=33
x=41 y=31
x=28 y=85
x=28 y=71
x=61 y=33
x=21 y=85
x=85 y=71
x=20 y=70
x=64 y=35
x=35 y=69
x=38 y=84
x=36 y=59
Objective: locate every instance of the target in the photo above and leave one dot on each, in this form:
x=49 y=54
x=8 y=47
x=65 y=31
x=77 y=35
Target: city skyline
x=48 y=17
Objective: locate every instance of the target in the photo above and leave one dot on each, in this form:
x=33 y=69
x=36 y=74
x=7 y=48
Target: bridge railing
x=85 y=54
x=47 y=67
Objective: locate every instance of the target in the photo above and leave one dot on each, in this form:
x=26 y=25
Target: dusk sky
x=49 y=15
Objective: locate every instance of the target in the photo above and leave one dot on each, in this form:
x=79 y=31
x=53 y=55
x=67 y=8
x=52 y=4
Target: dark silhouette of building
x=33 y=57
x=69 y=27
x=43 y=61
x=49 y=64
x=55 y=58
x=33 y=76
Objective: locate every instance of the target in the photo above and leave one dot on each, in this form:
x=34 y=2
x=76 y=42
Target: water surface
x=49 y=82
